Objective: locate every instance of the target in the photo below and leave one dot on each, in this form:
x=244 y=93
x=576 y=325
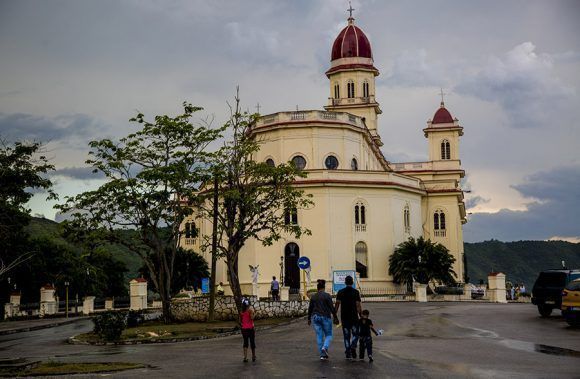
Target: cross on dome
x=442 y=99
x=350 y=9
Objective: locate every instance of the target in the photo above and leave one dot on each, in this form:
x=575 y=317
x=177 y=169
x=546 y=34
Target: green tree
x=423 y=261
x=152 y=177
x=22 y=170
x=252 y=196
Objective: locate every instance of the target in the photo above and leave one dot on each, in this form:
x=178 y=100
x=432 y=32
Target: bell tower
x=352 y=77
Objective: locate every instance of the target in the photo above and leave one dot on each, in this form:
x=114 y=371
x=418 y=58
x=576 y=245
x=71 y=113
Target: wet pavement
x=435 y=340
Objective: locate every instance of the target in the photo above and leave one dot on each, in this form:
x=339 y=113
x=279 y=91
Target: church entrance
x=291 y=269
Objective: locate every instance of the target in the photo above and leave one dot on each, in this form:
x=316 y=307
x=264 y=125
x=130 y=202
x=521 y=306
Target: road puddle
x=539 y=348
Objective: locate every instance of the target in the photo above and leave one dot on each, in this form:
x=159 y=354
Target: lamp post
x=66 y=284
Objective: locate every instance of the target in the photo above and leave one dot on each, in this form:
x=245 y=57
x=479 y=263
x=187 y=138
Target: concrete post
x=15 y=298
x=12 y=308
x=284 y=293
x=138 y=292
x=496 y=282
x=421 y=293
x=466 y=292
x=88 y=305
x=109 y=305
x=48 y=304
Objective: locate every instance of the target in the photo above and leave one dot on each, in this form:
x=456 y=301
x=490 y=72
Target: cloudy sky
x=74 y=71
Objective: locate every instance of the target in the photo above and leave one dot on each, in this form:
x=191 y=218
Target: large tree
x=149 y=174
x=423 y=261
x=23 y=169
x=252 y=196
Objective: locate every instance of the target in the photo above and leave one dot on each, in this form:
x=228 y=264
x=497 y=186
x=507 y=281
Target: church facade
x=364 y=205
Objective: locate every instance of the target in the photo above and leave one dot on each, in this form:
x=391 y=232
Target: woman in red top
x=248 y=332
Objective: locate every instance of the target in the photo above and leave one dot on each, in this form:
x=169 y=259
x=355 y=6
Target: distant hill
x=42 y=227
x=521 y=261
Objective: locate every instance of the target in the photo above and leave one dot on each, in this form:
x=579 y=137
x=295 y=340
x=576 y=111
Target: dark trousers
x=350 y=334
x=249 y=335
x=276 y=295
x=365 y=343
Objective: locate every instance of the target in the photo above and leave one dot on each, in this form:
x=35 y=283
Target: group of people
x=322 y=313
x=355 y=322
x=515 y=291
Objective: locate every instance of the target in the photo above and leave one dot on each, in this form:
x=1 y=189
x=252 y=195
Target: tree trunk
x=211 y=315
x=235 y=283
x=165 y=294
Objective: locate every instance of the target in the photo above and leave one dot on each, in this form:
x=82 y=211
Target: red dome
x=442 y=116
x=351 y=42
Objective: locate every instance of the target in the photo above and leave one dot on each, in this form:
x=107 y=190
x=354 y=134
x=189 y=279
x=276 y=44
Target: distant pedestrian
x=320 y=312
x=275 y=289
x=365 y=340
x=248 y=331
x=349 y=299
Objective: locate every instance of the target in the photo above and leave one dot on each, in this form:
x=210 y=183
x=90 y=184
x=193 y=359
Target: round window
x=331 y=162
x=270 y=162
x=299 y=162
x=354 y=164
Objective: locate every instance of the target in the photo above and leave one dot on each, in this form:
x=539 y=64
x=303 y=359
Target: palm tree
x=423 y=261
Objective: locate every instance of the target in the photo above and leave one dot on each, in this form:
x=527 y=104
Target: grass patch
x=159 y=331
x=62 y=368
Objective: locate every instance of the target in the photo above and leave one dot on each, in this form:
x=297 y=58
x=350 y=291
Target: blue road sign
x=204 y=285
x=303 y=263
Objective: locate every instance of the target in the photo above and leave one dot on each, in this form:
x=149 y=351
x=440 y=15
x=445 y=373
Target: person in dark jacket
x=349 y=299
x=321 y=314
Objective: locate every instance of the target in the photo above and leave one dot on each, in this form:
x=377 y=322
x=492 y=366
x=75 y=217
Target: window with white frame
x=360 y=216
x=362 y=259
x=366 y=88
x=350 y=89
x=407 y=218
x=439 y=223
x=445 y=149
x=291 y=216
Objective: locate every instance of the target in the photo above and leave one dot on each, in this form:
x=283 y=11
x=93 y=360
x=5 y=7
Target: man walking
x=275 y=289
x=349 y=298
x=320 y=311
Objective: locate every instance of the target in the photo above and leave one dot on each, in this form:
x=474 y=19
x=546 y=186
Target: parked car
x=571 y=303
x=547 y=291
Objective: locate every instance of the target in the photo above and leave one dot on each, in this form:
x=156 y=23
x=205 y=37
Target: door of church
x=291 y=269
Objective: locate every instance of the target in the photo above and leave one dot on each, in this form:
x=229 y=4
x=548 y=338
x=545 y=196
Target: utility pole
x=213 y=248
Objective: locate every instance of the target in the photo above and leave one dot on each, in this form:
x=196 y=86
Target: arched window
x=361 y=254
x=299 y=162
x=360 y=216
x=350 y=89
x=366 y=88
x=291 y=216
x=331 y=162
x=407 y=218
x=270 y=162
x=445 y=149
x=354 y=164
x=336 y=91
x=439 y=223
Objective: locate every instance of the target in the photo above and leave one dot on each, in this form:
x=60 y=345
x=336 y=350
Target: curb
x=38 y=327
x=74 y=341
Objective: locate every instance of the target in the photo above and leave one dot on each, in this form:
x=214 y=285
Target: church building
x=364 y=206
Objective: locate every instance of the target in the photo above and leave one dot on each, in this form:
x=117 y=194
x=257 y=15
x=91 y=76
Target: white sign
x=338 y=278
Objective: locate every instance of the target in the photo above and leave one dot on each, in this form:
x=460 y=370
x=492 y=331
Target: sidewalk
x=10 y=327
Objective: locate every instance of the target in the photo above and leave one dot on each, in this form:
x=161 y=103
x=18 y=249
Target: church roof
x=351 y=42
x=442 y=116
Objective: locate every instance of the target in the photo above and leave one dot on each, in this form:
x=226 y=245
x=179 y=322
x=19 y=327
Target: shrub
x=135 y=318
x=109 y=325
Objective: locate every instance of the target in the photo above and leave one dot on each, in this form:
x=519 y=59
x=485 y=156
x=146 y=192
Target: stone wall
x=196 y=309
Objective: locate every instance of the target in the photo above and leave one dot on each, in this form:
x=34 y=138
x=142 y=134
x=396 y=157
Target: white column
x=496 y=282
x=88 y=305
x=48 y=304
x=138 y=292
x=421 y=293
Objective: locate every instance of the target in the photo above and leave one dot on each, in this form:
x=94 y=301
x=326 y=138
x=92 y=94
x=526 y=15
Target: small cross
x=258 y=107
x=350 y=9
x=442 y=95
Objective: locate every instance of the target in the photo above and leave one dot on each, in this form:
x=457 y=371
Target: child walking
x=365 y=339
x=248 y=331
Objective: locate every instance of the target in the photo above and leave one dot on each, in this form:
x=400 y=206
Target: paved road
x=435 y=340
